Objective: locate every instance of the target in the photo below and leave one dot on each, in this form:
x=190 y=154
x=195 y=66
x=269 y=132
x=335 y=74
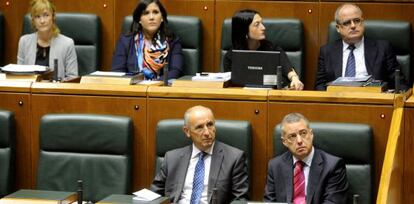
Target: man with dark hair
x=304 y=174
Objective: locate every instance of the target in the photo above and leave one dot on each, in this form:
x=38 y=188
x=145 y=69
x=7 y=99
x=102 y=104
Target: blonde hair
x=37 y=6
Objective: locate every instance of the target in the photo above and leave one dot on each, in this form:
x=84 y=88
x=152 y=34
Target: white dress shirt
x=359 y=54
x=188 y=183
x=308 y=161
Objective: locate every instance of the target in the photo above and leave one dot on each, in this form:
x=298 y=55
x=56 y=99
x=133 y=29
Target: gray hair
x=293 y=118
x=190 y=110
x=338 y=10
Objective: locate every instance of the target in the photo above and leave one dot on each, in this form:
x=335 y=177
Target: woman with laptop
x=248 y=33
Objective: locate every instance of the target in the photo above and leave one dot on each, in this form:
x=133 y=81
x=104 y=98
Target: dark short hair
x=142 y=5
x=240 y=28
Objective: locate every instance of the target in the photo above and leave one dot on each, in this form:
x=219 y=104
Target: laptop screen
x=253 y=68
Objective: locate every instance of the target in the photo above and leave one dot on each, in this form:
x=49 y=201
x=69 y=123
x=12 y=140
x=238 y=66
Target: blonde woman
x=47 y=44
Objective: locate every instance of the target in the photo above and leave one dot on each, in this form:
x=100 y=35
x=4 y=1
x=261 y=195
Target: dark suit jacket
x=125 y=58
x=380 y=62
x=327 y=182
x=228 y=173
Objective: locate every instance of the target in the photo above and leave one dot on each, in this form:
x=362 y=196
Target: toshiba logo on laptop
x=254 y=68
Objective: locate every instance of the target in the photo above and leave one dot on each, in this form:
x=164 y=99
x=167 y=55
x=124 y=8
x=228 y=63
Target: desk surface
x=26 y=196
x=127 y=199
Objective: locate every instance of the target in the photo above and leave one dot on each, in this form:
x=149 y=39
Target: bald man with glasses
x=355 y=55
x=304 y=174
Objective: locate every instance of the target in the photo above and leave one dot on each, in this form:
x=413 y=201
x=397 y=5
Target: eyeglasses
x=294 y=136
x=356 y=21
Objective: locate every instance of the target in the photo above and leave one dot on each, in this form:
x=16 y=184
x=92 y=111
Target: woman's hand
x=295 y=83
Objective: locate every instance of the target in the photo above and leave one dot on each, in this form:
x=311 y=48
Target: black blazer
x=380 y=61
x=327 y=182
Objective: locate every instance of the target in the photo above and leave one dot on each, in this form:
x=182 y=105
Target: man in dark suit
x=223 y=167
x=369 y=56
x=304 y=174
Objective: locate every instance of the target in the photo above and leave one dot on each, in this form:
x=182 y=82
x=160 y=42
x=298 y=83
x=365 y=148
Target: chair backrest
x=398 y=33
x=188 y=29
x=350 y=141
x=170 y=136
x=7 y=152
x=85 y=30
x=94 y=148
x=287 y=33
x=1 y=38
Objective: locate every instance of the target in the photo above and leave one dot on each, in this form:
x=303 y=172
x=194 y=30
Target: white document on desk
x=145 y=195
x=103 y=73
x=23 y=68
x=220 y=76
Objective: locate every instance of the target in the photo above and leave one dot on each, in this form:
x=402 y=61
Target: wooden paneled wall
x=315 y=15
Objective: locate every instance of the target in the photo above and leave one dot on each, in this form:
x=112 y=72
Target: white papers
x=145 y=195
x=19 y=68
x=103 y=73
x=353 y=79
x=220 y=76
x=148 y=82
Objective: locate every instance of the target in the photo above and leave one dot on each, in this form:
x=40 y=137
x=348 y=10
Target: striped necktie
x=299 y=184
x=350 y=64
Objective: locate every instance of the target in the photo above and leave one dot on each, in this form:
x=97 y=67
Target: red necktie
x=299 y=184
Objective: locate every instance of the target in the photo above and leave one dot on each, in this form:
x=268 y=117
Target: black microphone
x=397 y=81
x=80 y=191
x=355 y=199
x=279 y=77
x=55 y=70
x=214 y=196
x=165 y=73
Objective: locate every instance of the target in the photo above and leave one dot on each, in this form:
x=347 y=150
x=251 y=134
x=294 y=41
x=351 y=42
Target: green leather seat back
x=398 y=33
x=170 y=136
x=94 y=148
x=188 y=29
x=7 y=151
x=350 y=141
x=1 y=39
x=85 y=30
x=287 y=33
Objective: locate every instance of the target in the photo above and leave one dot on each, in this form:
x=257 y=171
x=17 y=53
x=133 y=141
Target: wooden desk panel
x=19 y=104
x=408 y=175
x=134 y=107
x=255 y=112
x=378 y=116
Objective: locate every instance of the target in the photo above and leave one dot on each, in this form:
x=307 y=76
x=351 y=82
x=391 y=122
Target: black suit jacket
x=380 y=62
x=327 y=182
x=228 y=173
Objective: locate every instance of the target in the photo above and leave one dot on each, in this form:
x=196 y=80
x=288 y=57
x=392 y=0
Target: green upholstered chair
x=1 y=39
x=351 y=141
x=7 y=152
x=170 y=136
x=85 y=30
x=94 y=148
x=398 y=33
x=188 y=29
x=287 y=33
